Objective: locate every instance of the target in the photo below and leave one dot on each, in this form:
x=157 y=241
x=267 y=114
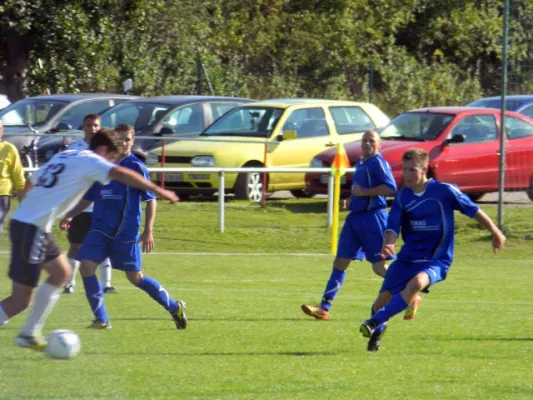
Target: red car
x=463 y=146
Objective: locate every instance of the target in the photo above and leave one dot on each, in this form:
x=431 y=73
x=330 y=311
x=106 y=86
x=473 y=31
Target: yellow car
x=294 y=129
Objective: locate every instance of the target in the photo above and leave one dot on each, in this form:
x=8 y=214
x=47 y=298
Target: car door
x=313 y=136
x=518 y=153
x=473 y=164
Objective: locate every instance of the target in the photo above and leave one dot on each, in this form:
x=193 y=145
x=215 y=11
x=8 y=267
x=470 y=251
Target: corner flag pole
x=336 y=200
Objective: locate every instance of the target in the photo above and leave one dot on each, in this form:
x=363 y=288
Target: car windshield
x=416 y=126
x=510 y=104
x=31 y=111
x=140 y=115
x=247 y=122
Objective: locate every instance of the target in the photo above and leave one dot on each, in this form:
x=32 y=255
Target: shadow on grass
x=214 y=354
x=299 y=208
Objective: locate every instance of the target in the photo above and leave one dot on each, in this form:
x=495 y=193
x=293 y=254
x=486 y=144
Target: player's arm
x=64 y=224
x=147 y=237
x=381 y=190
x=133 y=179
x=498 y=238
x=392 y=231
x=17 y=176
x=385 y=185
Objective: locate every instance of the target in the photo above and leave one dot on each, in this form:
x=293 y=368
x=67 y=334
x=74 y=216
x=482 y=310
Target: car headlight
x=203 y=161
x=151 y=159
x=316 y=163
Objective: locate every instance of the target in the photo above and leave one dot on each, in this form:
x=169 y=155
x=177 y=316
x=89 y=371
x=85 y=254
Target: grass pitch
x=248 y=339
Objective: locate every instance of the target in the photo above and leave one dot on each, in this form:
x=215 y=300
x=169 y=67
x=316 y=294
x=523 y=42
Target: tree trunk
x=16 y=54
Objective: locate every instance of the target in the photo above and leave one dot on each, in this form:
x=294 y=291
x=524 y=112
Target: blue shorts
x=401 y=272
x=362 y=236
x=97 y=247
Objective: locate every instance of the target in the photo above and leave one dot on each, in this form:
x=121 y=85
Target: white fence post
x=221 y=195
x=331 y=187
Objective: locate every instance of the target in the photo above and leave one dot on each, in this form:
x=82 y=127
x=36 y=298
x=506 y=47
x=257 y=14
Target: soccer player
x=362 y=233
x=423 y=211
x=49 y=193
x=11 y=175
x=81 y=224
x=114 y=233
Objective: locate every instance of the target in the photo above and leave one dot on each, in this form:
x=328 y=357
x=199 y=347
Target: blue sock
x=395 y=306
x=332 y=288
x=95 y=296
x=158 y=293
x=380 y=328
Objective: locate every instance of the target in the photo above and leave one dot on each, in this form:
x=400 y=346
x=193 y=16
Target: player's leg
x=127 y=256
x=5 y=204
x=105 y=277
x=79 y=227
x=19 y=300
x=46 y=297
x=348 y=249
x=94 y=250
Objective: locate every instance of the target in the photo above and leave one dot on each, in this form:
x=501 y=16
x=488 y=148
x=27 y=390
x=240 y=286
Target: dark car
x=170 y=117
x=51 y=114
x=522 y=104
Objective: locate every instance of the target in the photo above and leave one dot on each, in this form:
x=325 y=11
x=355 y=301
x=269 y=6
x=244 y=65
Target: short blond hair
x=419 y=155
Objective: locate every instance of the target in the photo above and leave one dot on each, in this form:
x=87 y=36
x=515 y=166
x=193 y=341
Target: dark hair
x=124 y=128
x=419 y=155
x=90 y=116
x=105 y=137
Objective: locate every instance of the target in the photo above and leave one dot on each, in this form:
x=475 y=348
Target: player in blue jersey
x=362 y=233
x=114 y=233
x=423 y=212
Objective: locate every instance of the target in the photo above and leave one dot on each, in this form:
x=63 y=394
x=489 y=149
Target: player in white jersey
x=81 y=224
x=50 y=192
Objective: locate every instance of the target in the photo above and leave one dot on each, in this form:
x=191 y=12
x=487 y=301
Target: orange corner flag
x=341 y=161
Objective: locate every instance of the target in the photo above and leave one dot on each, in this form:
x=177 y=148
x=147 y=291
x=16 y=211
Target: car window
x=246 y=121
x=351 y=120
x=31 y=111
x=476 y=129
x=308 y=122
x=528 y=111
x=416 y=126
x=219 y=109
x=516 y=128
x=74 y=116
x=188 y=119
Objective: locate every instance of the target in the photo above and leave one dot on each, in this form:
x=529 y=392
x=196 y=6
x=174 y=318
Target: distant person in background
x=81 y=224
x=11 y=175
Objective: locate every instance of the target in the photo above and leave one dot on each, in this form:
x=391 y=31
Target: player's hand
x=345 y=203
x=64 y=224
x=498 y=239
x=169 y=195
x=358 y=190
x=387 y=251
x=147 y=239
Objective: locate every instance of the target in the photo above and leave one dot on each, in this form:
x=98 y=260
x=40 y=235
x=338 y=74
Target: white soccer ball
x=62 y=344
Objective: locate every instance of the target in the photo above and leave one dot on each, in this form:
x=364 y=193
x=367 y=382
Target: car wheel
x=249 y=186
x=475 y=196
x=302 y=194
x=26 y=162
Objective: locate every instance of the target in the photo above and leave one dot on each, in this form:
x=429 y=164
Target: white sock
x=74 y=267
x=3 y=316
x=45 y=299
x=105 y=274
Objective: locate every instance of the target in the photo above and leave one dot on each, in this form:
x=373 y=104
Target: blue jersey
x=426 y=221
x=372 y=172
x=117 y=207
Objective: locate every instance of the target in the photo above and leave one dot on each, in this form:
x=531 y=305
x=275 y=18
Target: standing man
x=49 y=193
x=11 y=175
x=423 y=212
x=80 y=225
x=362 y=233
x=114 y=233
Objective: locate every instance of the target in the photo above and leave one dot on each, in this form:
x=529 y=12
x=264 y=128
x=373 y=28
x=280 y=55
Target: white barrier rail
x=221 y=183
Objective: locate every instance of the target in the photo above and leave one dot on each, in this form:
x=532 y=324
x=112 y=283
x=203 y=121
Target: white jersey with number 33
x=59 y=185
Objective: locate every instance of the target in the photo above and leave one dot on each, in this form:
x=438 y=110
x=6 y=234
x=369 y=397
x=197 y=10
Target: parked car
x=522 y=104
x=50 y=114
x=293 y=129
x=463 y=146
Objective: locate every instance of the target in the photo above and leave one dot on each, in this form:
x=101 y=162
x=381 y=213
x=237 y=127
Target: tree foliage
x=418 y=52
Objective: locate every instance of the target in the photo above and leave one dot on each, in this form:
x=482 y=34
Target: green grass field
x=248 y=339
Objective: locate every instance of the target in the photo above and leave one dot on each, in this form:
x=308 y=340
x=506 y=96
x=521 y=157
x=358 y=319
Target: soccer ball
x=62 y=344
